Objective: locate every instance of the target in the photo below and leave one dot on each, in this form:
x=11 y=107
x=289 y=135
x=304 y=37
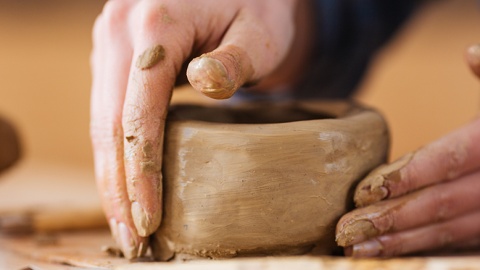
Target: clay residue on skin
x=363 y=229
x=149 y=164
x=219 y=74
x=145 y=224
x=210 y=76
x=165 y=16
x=150 y=57
x=375 y=186
x=149 y=167
x=147 y=150
x=130 y=138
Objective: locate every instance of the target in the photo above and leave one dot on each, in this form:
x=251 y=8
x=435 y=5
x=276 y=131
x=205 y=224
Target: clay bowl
x=263 y=179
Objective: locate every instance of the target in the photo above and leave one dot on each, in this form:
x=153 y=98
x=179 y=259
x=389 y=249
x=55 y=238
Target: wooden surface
x=83 y=250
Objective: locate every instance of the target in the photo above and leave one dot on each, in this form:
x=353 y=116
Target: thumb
x=252 y=48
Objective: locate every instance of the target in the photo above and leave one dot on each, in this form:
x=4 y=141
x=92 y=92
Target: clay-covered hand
x=139 y=49
x=424 y=201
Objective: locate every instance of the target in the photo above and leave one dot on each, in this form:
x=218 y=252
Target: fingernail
x=371 y=248
x=126 y=242
x=113 y=228
x=210 y=76
x=144 y=223
x=356 y=232
x=142 y=249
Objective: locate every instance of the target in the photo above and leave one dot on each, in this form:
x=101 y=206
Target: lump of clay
x=264 y=179
x=9 y=145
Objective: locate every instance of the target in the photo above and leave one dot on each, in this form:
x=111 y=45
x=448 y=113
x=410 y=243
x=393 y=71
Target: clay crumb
x=149 y=167
x=112 y=251
x=130 y=138
x=150 y=57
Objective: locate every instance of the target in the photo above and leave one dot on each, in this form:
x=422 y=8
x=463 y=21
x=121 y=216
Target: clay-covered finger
x=110 y=61
x=427 y=206
x=452 y=233
x=445 y=159
x=473 y=58
x=157 y=59
x=250 y=50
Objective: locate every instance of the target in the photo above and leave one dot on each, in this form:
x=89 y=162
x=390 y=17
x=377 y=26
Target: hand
x=139 y=49
x=426 y=200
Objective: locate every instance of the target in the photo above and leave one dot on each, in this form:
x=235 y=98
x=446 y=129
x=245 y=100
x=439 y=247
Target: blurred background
x=419 y=81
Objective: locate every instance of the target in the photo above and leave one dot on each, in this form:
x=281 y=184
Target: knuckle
x=114 y=15
x=149 y=15
x=147 y=18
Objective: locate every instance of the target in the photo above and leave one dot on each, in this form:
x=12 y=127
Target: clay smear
x=150 y=57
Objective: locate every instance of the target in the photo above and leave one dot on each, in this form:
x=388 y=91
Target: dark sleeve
x=348 y=34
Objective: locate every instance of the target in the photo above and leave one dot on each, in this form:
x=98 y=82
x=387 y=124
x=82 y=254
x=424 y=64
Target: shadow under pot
x=263 y=179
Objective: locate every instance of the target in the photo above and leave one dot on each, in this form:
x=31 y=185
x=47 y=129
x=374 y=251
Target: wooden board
x=82 y=250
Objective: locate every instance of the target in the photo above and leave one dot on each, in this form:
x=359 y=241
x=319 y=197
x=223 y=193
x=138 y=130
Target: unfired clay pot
x=263 y=179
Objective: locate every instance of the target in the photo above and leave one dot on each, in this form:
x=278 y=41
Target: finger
x=453 y=232
x=445 y=159
x=159 y=50
x=110 y=66
x=429 y=205
x=250 y=50
x=473 y=59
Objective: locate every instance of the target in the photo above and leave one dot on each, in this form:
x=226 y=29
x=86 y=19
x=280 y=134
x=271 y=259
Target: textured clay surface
x=277 y=186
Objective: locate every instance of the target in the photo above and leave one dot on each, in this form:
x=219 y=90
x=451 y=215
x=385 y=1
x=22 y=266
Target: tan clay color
x=274 y=187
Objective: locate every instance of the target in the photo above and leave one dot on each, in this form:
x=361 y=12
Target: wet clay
x=277 y=185
x=375 y=187
x=348 y=235
x=219 y=74
x=150 y=57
